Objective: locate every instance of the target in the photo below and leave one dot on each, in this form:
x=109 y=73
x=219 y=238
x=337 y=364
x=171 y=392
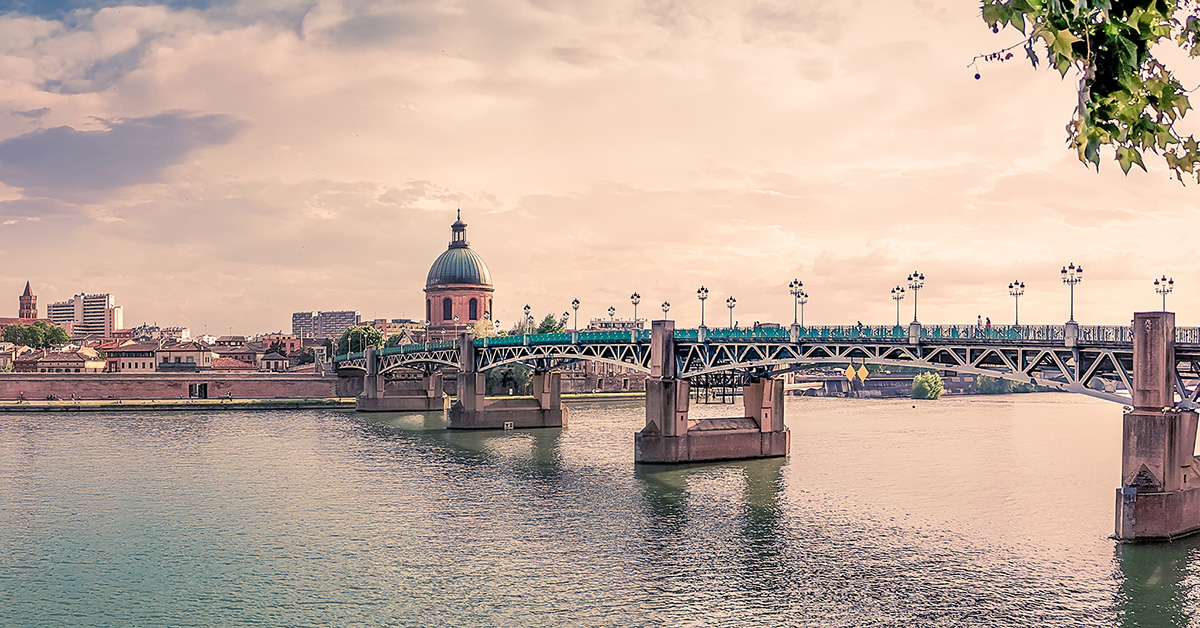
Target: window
x=473 y=309
x=429 y=311
x=447 y=309
x=191 y=360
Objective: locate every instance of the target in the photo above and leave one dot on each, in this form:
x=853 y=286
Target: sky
x=221 y=164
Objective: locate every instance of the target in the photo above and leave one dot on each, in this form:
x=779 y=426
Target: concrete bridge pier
x=1159 y=498
x=380 y=395
x=473 y=411
x=670 y=436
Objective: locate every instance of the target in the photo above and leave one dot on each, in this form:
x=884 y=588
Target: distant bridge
x=1090 y=360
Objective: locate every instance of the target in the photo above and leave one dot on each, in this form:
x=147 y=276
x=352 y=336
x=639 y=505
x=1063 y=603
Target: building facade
x=324 y=324
x=88 y=315
x=458 y=289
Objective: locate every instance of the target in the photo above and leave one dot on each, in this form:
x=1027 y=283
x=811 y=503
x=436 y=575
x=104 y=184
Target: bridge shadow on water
x=1159 y=583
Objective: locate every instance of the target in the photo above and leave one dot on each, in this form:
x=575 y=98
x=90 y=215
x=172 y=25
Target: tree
x=995 y=386
x=927 y=385
x=277 y=347
x=1128 y=99
x=38 y=335
x=394 y=340
x=358 y=338
x=549 y=325
x=517 y=377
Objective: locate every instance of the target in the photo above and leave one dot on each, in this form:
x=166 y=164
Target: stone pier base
x=1160 y=494
x=402 y=404
x=505 y=413
x=699 y=446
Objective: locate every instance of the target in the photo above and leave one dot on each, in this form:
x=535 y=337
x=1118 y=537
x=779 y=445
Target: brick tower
x=28 y=308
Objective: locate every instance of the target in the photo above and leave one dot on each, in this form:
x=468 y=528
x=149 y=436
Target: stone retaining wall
x=165 y=385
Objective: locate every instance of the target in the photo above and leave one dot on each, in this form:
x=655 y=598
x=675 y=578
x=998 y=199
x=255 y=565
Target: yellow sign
x=850 y=373
x=862 y=373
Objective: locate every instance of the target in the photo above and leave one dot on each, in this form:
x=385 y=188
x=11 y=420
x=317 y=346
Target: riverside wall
x=168 y=385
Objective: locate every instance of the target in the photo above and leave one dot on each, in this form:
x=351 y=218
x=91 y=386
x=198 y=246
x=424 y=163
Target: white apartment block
x=88 y=314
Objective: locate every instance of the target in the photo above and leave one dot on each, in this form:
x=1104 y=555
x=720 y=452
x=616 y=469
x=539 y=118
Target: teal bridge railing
x=1092 y=334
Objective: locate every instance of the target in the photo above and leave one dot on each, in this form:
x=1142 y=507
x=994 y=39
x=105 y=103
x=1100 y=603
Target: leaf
x=1124 y=159
x=1062 y=42
x=1018 y=21
x=991 y=14
x=1031 y=53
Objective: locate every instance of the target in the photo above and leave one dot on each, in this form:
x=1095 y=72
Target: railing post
x=1071 y=334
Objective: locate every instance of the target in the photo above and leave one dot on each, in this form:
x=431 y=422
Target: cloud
x=32 y=113
x=67 y=162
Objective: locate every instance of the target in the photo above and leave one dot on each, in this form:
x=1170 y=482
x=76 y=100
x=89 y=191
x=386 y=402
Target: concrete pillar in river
x=671 y=437
x=473 y=411
x=380 y=395
x=1159 y=498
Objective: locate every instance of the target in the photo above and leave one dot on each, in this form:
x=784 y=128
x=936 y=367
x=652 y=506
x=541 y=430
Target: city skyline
x=224 y=165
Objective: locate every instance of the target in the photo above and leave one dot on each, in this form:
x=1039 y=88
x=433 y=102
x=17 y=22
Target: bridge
x=1151 y=367
x=1090 y=360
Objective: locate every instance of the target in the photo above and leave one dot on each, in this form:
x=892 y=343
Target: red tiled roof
x=230 y=363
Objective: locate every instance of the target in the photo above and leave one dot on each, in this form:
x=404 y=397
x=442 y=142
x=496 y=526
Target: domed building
x=458 y=290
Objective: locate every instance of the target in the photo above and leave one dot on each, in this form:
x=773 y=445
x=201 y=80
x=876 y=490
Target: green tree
x=39 y=335
x=517 y=377
x=996 y=386
x=927 y=385
x=278 y=347
x=1129 y=100
x=393 y=340
x=358 y=338
x=550 y=325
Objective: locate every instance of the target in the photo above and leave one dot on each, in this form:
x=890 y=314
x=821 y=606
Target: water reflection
x=537 y=449
x=1158 y=580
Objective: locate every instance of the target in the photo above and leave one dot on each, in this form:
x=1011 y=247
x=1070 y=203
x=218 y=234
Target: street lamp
x=1016 y=289
x=916 y=281
x=729 y=303
x=803 y=300
x=897 y=296
x=528 y=318
x=611 y=312
x=1164 y=287
x=702 y=294
x=666 y=307
x=796 y=288
x=1072 y=275
x=575 y=306
x=635 y=298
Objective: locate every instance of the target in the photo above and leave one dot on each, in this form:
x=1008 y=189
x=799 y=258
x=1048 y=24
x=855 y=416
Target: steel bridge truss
x=1102 y=370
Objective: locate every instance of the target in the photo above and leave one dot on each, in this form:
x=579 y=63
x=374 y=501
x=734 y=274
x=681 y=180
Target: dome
x=459 y=264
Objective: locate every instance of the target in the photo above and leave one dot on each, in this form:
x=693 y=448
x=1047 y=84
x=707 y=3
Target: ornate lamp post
x=635 y=298
x=666 y=307
x=702 y=294
x=1072 y=275
x=916 y=281
x=1164 y=287
x=1015 y=290
x=897 y=296
x=575 y=306
x=729 y=303
x=803 y=299
x=612 y=311
x=797 y=289
x=528 y=318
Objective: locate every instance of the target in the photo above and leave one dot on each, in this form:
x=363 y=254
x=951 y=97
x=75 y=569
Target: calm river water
x=985 y=511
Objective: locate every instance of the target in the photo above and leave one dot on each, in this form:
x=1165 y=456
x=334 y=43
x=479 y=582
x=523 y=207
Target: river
x=966 y=511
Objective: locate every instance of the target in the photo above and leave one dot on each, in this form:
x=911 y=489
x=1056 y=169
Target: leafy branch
x=1128 y=99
